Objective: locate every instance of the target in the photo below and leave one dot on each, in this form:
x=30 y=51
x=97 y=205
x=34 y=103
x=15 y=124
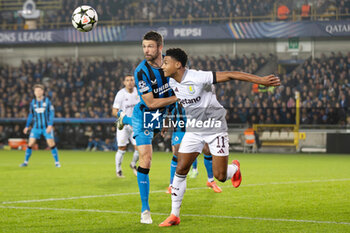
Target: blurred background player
x=155 y=92
x=124 y=103
x=42 y=112
x=197 y=85
x=178 y=115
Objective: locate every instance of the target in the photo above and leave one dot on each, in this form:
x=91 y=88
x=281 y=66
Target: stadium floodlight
x=29 y=10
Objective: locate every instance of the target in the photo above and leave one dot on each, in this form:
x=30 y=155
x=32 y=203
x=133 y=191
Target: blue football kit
x=145 y=121
x=42 y=113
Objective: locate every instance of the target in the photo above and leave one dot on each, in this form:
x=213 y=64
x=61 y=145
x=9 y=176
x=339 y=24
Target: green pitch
x=279 y=193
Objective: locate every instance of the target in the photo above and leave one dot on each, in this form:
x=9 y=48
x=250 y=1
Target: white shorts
x=124 y=135
x=194 y=142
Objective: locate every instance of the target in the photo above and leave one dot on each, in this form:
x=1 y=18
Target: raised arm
x=269 y=80
x=154 y=103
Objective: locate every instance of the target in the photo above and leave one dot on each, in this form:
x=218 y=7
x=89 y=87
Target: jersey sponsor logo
x=191 y=89
x=177 y=90
x=130 y=106
x=40 y=110
x=183 y=102
x=143 y=86
x=162 y=89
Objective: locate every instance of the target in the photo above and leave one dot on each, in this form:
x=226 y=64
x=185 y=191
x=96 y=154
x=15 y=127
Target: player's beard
x=151 y=58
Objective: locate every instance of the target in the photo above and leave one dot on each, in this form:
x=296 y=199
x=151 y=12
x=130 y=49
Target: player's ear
x=178 y=65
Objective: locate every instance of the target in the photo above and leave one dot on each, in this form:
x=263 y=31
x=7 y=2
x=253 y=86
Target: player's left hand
x=270 y=80
x=48 y=129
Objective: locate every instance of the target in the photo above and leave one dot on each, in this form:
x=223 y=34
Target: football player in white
x=206 y=122
x=124 y=101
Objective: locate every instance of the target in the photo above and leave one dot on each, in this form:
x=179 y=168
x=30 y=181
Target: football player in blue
x=42 y=112
x=156 y=95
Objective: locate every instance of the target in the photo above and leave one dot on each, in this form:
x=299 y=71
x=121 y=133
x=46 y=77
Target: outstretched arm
x=269 y=80
x=154 y=103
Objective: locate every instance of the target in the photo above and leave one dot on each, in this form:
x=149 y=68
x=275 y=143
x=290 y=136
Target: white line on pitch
x=184 y=215
x=162 y=191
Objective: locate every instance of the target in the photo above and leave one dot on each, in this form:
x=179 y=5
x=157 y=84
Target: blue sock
x=143 y=182
x=173 y=166
x=127 y=120
x=208 y=162
x=54 y=152
x=194 y=164
x=28 y=154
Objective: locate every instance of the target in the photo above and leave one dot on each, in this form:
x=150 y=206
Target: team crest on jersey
x=44 y=104
x=191 y=89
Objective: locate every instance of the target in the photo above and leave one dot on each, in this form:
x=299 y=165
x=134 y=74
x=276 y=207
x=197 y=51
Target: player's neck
x=129 y=90
x=178 y=76
x=39 y=98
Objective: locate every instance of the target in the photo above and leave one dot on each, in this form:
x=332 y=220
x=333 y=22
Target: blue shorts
x=177 y=137
x=36 y=133
x=143 y=134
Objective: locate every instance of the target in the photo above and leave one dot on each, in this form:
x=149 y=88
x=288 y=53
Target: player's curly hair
x=178 y=54
x=155 y=36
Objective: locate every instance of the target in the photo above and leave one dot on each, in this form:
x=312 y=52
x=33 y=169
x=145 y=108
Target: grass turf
x=279 y=193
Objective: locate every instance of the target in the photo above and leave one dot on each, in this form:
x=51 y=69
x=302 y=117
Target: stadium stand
x=323 y=84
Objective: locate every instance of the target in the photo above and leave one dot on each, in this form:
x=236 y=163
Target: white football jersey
x=126 y=101
x=197 y=95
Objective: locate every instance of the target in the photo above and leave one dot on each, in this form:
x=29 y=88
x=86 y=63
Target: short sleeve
x=143 y=83
x=205 y=77
x=117 y=101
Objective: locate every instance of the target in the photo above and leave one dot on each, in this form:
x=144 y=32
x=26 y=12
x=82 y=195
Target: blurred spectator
x=305 y=11
x=283 y=12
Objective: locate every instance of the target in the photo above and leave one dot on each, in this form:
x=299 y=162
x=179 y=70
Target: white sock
x=118 y=159
x=231 y=170
x=178 y=189
x=135 y=158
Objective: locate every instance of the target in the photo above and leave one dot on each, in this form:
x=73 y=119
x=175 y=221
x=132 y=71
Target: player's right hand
x=270 y=80
x=25 y=130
